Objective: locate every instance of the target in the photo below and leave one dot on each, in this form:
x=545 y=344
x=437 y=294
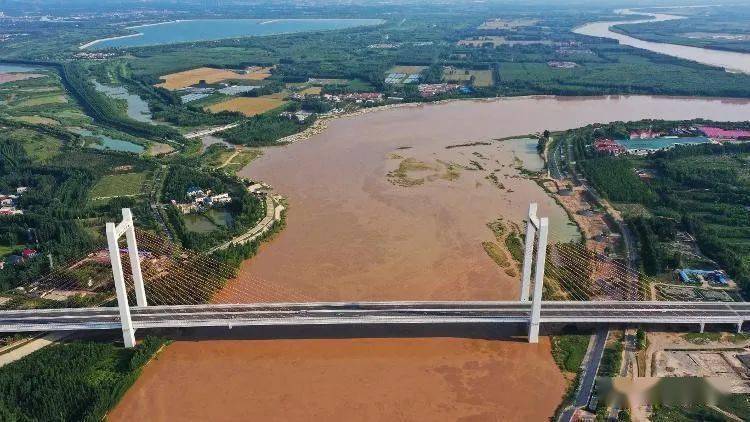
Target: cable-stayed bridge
x=191 y=290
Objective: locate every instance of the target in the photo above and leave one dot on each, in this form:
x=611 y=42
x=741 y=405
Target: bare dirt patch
x=180 y=80
x=12 y=77
x=249 y=106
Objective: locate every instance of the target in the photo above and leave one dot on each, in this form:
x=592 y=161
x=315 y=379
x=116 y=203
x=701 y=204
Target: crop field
x=313 y=90
x=116 y=185
x=407 y=69
x=481 y=77
x=507 y=23
x=36 y=120
x=249 y=106
x=42 y=100
x=180 y=80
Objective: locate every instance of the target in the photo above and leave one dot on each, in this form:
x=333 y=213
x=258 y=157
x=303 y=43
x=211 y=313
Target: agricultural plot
x=507 y=23
x=401 y=75
x=496 y=40
x=181 y=80
x=479 y=78
x=40 y=100
x=249 y=106
x=39 y=147
x=118 y=185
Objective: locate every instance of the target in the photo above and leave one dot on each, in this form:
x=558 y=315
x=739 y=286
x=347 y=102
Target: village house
x=431 y=90
x=608 y=146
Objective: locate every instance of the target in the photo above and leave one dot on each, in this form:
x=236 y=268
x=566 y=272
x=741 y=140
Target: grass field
x=249 y=106
x=6 y=250
x=114 y=185
x=407 y=69
x=481 y=77
x=43 y=100
x=313 y=90
x=35 y=120
x=507 y=23
x=187 y=78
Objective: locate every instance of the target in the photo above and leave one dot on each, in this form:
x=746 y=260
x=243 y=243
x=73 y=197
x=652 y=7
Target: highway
x=348 y=313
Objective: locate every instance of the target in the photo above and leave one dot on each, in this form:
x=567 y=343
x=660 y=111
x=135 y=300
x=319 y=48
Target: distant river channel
x=731 y=61
x=216 y=29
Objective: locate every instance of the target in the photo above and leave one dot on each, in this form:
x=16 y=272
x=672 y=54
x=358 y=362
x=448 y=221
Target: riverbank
x=729 y=60
x=355 y=236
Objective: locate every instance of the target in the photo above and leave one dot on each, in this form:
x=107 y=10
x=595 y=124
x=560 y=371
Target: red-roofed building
x=608 y=146
x=719 y=133
x=28 y=253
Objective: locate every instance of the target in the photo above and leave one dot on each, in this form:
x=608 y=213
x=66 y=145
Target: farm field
x=180 y=80
x=40 y=100
x=249 y=106
x=313 y=90
x=116 y=185
x=482 y=78
x=507 y=23
x=497 y=40
x=407 y=69
x=35 y=120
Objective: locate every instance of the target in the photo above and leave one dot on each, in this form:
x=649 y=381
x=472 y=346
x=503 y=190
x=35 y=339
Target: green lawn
x=114 y=185
x=569 y=351
x=7 y=250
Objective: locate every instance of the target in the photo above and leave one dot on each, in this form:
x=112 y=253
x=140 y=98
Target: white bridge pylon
x=536 y=229
x=114 y=232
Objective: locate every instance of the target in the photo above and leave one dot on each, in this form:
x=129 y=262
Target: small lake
x=108 y=143
x=216 y=29
x=732 y=61
x=137 y=109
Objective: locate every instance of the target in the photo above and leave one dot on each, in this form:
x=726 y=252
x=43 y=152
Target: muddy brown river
x=381 y=209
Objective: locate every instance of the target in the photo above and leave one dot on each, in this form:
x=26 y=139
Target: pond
x=137 y=109
x=208 y=221
x=108 y=143
x=216 y=29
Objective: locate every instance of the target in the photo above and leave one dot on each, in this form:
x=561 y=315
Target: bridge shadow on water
x=502 y=332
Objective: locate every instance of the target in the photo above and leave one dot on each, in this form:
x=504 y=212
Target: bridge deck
x=348 y=313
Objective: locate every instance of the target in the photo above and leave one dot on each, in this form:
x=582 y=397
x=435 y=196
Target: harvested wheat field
x=180 y=80
x=249 y=106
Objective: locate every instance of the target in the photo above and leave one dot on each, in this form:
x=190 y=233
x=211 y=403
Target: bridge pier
x=703 y=327
x=114 y=232
x=536 y=304
x=739 y=327
x=135 y=260
x=128 y=333
x=528 y=252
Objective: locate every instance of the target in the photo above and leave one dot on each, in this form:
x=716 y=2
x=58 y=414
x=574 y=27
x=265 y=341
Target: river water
x=353 y=234
x=732 y=61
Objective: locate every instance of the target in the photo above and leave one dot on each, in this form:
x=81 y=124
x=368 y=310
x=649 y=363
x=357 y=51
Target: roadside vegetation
x=702 y=190
x=71 y=381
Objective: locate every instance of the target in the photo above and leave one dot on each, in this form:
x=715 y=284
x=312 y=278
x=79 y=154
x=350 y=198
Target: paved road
x=590 y=368
x=337 y=313
x=30 y=347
